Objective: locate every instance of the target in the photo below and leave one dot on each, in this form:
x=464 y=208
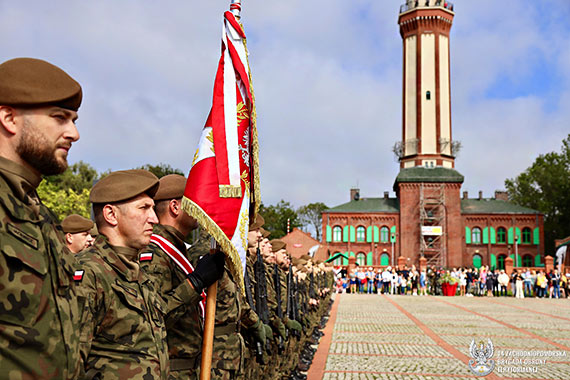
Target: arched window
x=384 y=259
x=526 y=233
x=338 y=260
x=337 y=233
x=361 y=259
x=384 y=234
x=360 y=234
x=476 y=235
x=501 y=235
x=527 y=261
x=477 y=259
x=501 y=261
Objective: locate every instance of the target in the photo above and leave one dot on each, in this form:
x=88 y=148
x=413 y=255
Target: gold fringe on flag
x=216 y=232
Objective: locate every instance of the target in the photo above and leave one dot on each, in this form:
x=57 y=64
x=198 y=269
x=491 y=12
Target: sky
x=327 y=77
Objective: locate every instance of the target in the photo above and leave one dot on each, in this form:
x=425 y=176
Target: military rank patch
x=147 y=256
x=78 y=275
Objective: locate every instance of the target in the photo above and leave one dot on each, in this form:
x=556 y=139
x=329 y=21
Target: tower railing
x=412 y=4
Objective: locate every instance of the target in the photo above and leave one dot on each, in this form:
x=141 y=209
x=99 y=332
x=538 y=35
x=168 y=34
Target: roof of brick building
x=368 y=205
x=493 y=206
x=422 y=174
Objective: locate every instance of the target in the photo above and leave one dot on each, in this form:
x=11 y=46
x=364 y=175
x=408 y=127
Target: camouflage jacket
x=271 y=295
x=183 y=313
x=232 y=312
x=39 y=310
x=123 y=335
x=283 y=282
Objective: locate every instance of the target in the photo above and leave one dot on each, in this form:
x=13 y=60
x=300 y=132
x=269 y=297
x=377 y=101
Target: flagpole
x=209 y=322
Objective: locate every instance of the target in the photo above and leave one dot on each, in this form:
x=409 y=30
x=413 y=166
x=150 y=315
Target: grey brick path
x=373 y=339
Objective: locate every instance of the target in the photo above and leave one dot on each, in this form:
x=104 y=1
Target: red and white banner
x=222 y=191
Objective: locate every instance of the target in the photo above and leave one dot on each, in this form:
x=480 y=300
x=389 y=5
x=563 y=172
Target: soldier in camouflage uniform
x=39 y=309
x=77 y=230
x=183 y=311
x=123 y=335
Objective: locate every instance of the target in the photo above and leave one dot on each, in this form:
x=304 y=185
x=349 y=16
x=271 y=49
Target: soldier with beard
x=39 y=309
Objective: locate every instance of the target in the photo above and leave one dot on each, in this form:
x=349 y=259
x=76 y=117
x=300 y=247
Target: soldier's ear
x=68 y=238
x=110 y=214
x=8 y=116
x=174 y=206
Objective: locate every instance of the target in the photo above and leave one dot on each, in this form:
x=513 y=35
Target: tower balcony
x=419 y=4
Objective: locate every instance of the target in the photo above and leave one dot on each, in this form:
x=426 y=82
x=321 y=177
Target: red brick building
x=299 y=243
x=429 y=218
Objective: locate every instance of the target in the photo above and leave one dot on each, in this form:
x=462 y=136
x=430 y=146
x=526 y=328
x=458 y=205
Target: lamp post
x=392 y=238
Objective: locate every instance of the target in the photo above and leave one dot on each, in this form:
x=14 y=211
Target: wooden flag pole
x=209 y=322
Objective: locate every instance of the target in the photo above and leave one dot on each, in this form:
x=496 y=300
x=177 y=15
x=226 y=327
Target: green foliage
x=161 y=170
x=447 y=278
x=545 y=186
x=311 y=215
x=77 y=177
x=64 y=202
x=276 y=217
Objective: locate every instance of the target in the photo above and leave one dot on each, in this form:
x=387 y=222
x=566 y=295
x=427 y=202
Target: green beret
x=256 y=223
x=171 y=187
x=123 y=185
x=277 y=244
x=32 y=82
x=76 y=223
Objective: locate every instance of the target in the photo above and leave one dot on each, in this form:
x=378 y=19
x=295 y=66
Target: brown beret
x=33 y=82
x=123 y=185
x=257 y=223
x=171 y=187
x=76 y=223
x=277 y=244
x=264 y=232
x=306 y=257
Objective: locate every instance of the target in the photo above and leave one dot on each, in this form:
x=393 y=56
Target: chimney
x=465 y=195
x=386 y=194
x=354 y=194
x=480 y=195
x=501 y=195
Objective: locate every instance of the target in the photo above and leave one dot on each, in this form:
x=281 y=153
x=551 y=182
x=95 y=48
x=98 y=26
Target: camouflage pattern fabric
x=123 y=335
x=39 y=309
x=183 y=315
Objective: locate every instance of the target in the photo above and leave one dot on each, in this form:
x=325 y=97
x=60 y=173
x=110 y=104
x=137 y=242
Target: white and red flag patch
x=222 y=191
x=146 y=256
x=78 y=275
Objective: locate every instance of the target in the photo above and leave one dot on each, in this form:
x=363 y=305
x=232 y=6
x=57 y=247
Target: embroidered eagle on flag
x=222 y=191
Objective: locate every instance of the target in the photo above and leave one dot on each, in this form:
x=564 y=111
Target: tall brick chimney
x=480 y=195
x=386 y=193
x=502 y=195
x=465 y=195
x=354 y=194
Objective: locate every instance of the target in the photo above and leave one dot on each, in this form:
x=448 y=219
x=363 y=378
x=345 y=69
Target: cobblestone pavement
x=412 y=337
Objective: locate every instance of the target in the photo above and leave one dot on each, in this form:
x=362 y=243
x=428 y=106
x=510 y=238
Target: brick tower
x=427 y=185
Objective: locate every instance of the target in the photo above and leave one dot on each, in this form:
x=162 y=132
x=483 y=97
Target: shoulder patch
x=146 y=256
x=21 y=235
x=78 y=275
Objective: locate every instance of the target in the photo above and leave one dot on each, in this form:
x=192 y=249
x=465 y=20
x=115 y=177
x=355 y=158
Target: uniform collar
x=122 y=259
x=171 y=234
x=23 y=184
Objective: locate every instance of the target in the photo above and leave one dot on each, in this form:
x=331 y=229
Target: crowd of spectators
x=521 y=283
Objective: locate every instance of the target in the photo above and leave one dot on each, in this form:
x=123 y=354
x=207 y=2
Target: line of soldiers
x=129 y=305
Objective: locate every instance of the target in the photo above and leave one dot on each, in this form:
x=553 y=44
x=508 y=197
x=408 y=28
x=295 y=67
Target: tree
x=76 y=177
x=276 y=218
x=64 y=202
x=312 y=215
x=161 y=169
x=545 y=186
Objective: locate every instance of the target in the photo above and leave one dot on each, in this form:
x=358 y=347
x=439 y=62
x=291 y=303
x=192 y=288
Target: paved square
x=412 y=337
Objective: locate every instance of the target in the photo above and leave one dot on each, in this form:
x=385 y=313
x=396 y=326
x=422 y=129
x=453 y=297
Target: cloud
x=327 y=78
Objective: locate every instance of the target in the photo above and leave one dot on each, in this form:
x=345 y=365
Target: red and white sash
x=180 y=260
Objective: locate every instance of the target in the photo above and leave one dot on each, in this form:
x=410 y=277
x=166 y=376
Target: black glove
x=209 y=269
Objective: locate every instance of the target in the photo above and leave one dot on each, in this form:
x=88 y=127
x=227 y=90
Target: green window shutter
x=511 y=238
x=345 y=234
x=493 y=236
x=384 y=259
x=537 y=262
x=344 y=259
x=369 y=234
x=467 y=235
x=393 y=234
x=512 y=256
x=329 y=234
x=352 y=234
x=485 y=238
x=536 y=236
x=518 y=232
x=477 y=261
x=369 y=259
x=350 y=254
x=376 y=234
x=493 y=261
